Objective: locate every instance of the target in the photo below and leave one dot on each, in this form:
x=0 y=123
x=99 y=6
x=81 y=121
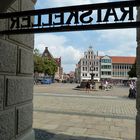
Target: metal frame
x=64 y=28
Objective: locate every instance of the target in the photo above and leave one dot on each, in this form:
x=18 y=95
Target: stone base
x=28 y=136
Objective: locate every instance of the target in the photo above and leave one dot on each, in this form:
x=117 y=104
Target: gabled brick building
x=59 y=73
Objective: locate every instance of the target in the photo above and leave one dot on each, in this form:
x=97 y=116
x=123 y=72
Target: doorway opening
x=64 y=111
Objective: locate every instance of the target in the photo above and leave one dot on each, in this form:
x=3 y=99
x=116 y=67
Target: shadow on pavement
x=45 y=135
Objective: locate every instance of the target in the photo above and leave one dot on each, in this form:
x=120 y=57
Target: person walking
x=106 y=85
x=87 y=86
x=132 y=90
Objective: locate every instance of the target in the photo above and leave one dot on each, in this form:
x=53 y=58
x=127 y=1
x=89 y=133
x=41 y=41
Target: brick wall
x=16 y=81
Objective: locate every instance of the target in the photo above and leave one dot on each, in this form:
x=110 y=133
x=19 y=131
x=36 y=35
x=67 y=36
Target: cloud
x=48 y=40
x=59 y=46
x=121 y=49
x=117 y=42
x=71 y=46
x=60 y=3
x=121 y=35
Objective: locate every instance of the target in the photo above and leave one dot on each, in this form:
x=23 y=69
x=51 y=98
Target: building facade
x=87 y=65
x=116 y=67
x=103 y=67
x=121 y=65
x=59 y=73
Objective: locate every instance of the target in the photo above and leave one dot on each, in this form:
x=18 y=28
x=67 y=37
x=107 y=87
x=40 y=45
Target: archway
x=19 y=72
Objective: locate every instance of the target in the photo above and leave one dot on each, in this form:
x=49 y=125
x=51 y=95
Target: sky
x=70 y=46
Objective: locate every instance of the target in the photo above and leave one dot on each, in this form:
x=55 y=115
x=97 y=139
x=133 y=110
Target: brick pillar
x=16 y=81
x=138 y=82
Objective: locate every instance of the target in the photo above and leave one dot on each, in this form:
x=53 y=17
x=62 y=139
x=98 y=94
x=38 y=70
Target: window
x=106 y=61
x=106 y=66
x=109 y=73
x=122 y=73
x=118 y=66
x=97 y=63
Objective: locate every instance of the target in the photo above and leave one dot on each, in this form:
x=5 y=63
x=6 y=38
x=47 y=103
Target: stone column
x=138 y=81
x=16 y=81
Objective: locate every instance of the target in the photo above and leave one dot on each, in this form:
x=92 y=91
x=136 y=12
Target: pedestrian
x=132 y=90
x=91 y=86
x=87 y=86
x=106 y=85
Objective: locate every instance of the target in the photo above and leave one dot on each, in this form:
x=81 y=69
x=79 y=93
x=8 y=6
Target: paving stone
x=87 y=116
x=128 y=135
x=94 y=132
x=102 y=127
x=50 y=126
x=113 y=134
x=75 y=130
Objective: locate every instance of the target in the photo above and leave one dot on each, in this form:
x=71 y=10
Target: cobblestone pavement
x=62 y=113
x=70 y=89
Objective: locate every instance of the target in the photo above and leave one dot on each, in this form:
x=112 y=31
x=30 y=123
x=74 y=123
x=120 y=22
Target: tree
x=132 y=72
x=38 y=62
x=43 y=64
x=36 y=52
x=50 y=66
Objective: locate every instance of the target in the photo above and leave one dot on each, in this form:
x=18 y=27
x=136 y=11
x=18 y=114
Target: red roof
x=123 y=59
